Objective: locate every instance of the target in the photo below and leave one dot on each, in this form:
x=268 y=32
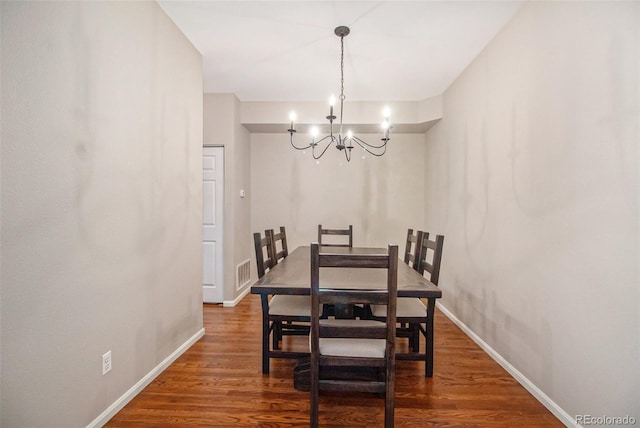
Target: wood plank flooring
x=218 y=382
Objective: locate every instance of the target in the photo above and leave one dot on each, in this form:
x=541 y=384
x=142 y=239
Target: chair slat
x=433 y=247
x=373 y=297
x=354 y=260
x=352 y=362
x=280 y=237
x=263 y=246
x=352 y=385
x=353 y=332
x=335 y=232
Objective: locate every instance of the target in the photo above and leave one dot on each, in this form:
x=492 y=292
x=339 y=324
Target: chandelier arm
x=331 y=137
x=363 y=143
x=296 y=147
x=379 y=154
x=312 y=144
x=313 y=152
x=367 y=147
x=347 y=154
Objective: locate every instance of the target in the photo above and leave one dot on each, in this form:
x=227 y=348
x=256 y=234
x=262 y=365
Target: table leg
x=428 y=366
x=264 y=298
x=343 y=311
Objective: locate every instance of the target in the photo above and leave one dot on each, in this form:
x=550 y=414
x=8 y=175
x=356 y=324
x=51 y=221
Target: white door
x=212 y=213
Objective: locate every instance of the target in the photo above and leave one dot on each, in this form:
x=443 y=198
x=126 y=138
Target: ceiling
x=286 y=50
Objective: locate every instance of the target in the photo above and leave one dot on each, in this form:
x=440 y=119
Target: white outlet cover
x=106 y=363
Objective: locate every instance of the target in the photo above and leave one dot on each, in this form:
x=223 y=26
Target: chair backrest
x=412 y=248
x=346 y=232
x=353 y=330
x=280 y=237
x=374 y=296
x=430 y=256
x=265 y=258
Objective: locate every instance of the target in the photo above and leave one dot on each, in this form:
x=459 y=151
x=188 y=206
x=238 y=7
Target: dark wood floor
x=218 y=383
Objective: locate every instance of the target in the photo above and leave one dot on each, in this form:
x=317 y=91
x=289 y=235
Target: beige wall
x=101 y=203
x=242 y=215
x=222 y=127
x=380 y=197
x=532 y=176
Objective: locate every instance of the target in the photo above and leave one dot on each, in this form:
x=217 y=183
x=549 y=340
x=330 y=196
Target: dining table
x=292 y=276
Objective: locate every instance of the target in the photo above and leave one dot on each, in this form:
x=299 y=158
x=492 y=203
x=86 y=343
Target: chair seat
x=290 y=305
x=371 y=348
x=407 y=307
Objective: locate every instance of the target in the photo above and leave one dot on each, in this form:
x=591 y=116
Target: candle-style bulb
x=292 y=119
x=385 y=128
x=332 y=101
x=386 y=112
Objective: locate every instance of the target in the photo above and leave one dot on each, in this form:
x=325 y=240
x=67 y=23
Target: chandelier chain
x=342 y=68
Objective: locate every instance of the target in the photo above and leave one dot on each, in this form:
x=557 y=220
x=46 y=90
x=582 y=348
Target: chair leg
x=327 y=311
x=265 y=333
x=315 y=393
x=389 y=399
x=388 y=416
x=277 y=329
x=415 y=338
x=410 y=336
x=428 y=367
x=280 y=332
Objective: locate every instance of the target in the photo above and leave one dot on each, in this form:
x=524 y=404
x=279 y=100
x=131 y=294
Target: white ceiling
x=286 y=50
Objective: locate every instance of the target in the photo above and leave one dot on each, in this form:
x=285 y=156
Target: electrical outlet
x=106 y=363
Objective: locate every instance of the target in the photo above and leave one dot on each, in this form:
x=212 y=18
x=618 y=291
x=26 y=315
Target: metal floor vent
x=243 y=274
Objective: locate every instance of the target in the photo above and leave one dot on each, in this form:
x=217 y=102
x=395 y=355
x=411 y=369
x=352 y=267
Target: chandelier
x=343 y=142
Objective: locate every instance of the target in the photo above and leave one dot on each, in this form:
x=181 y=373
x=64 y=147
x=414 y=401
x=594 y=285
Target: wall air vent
x=243 y=274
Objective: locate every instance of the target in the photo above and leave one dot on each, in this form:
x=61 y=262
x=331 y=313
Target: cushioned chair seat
x=407 y=307
x=352 y=347
x=290 y=305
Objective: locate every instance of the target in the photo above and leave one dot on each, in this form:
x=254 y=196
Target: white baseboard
x=142 y=383
x=232 y=303
x=557 y=411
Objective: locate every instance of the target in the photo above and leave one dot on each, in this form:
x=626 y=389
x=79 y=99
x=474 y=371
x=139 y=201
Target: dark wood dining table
x=292 y=276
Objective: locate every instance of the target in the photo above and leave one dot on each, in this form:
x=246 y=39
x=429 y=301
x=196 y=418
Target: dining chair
x=333 y=232
x=281 y=239
x=429 y=259
x=412 y=259
x=288 y=315
x=287 y=327
x=342 y=348
x=332 y=310
x=265 y=259
x=411 y=248
x=411 y=313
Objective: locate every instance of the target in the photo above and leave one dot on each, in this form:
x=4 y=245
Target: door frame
x=215 y=293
